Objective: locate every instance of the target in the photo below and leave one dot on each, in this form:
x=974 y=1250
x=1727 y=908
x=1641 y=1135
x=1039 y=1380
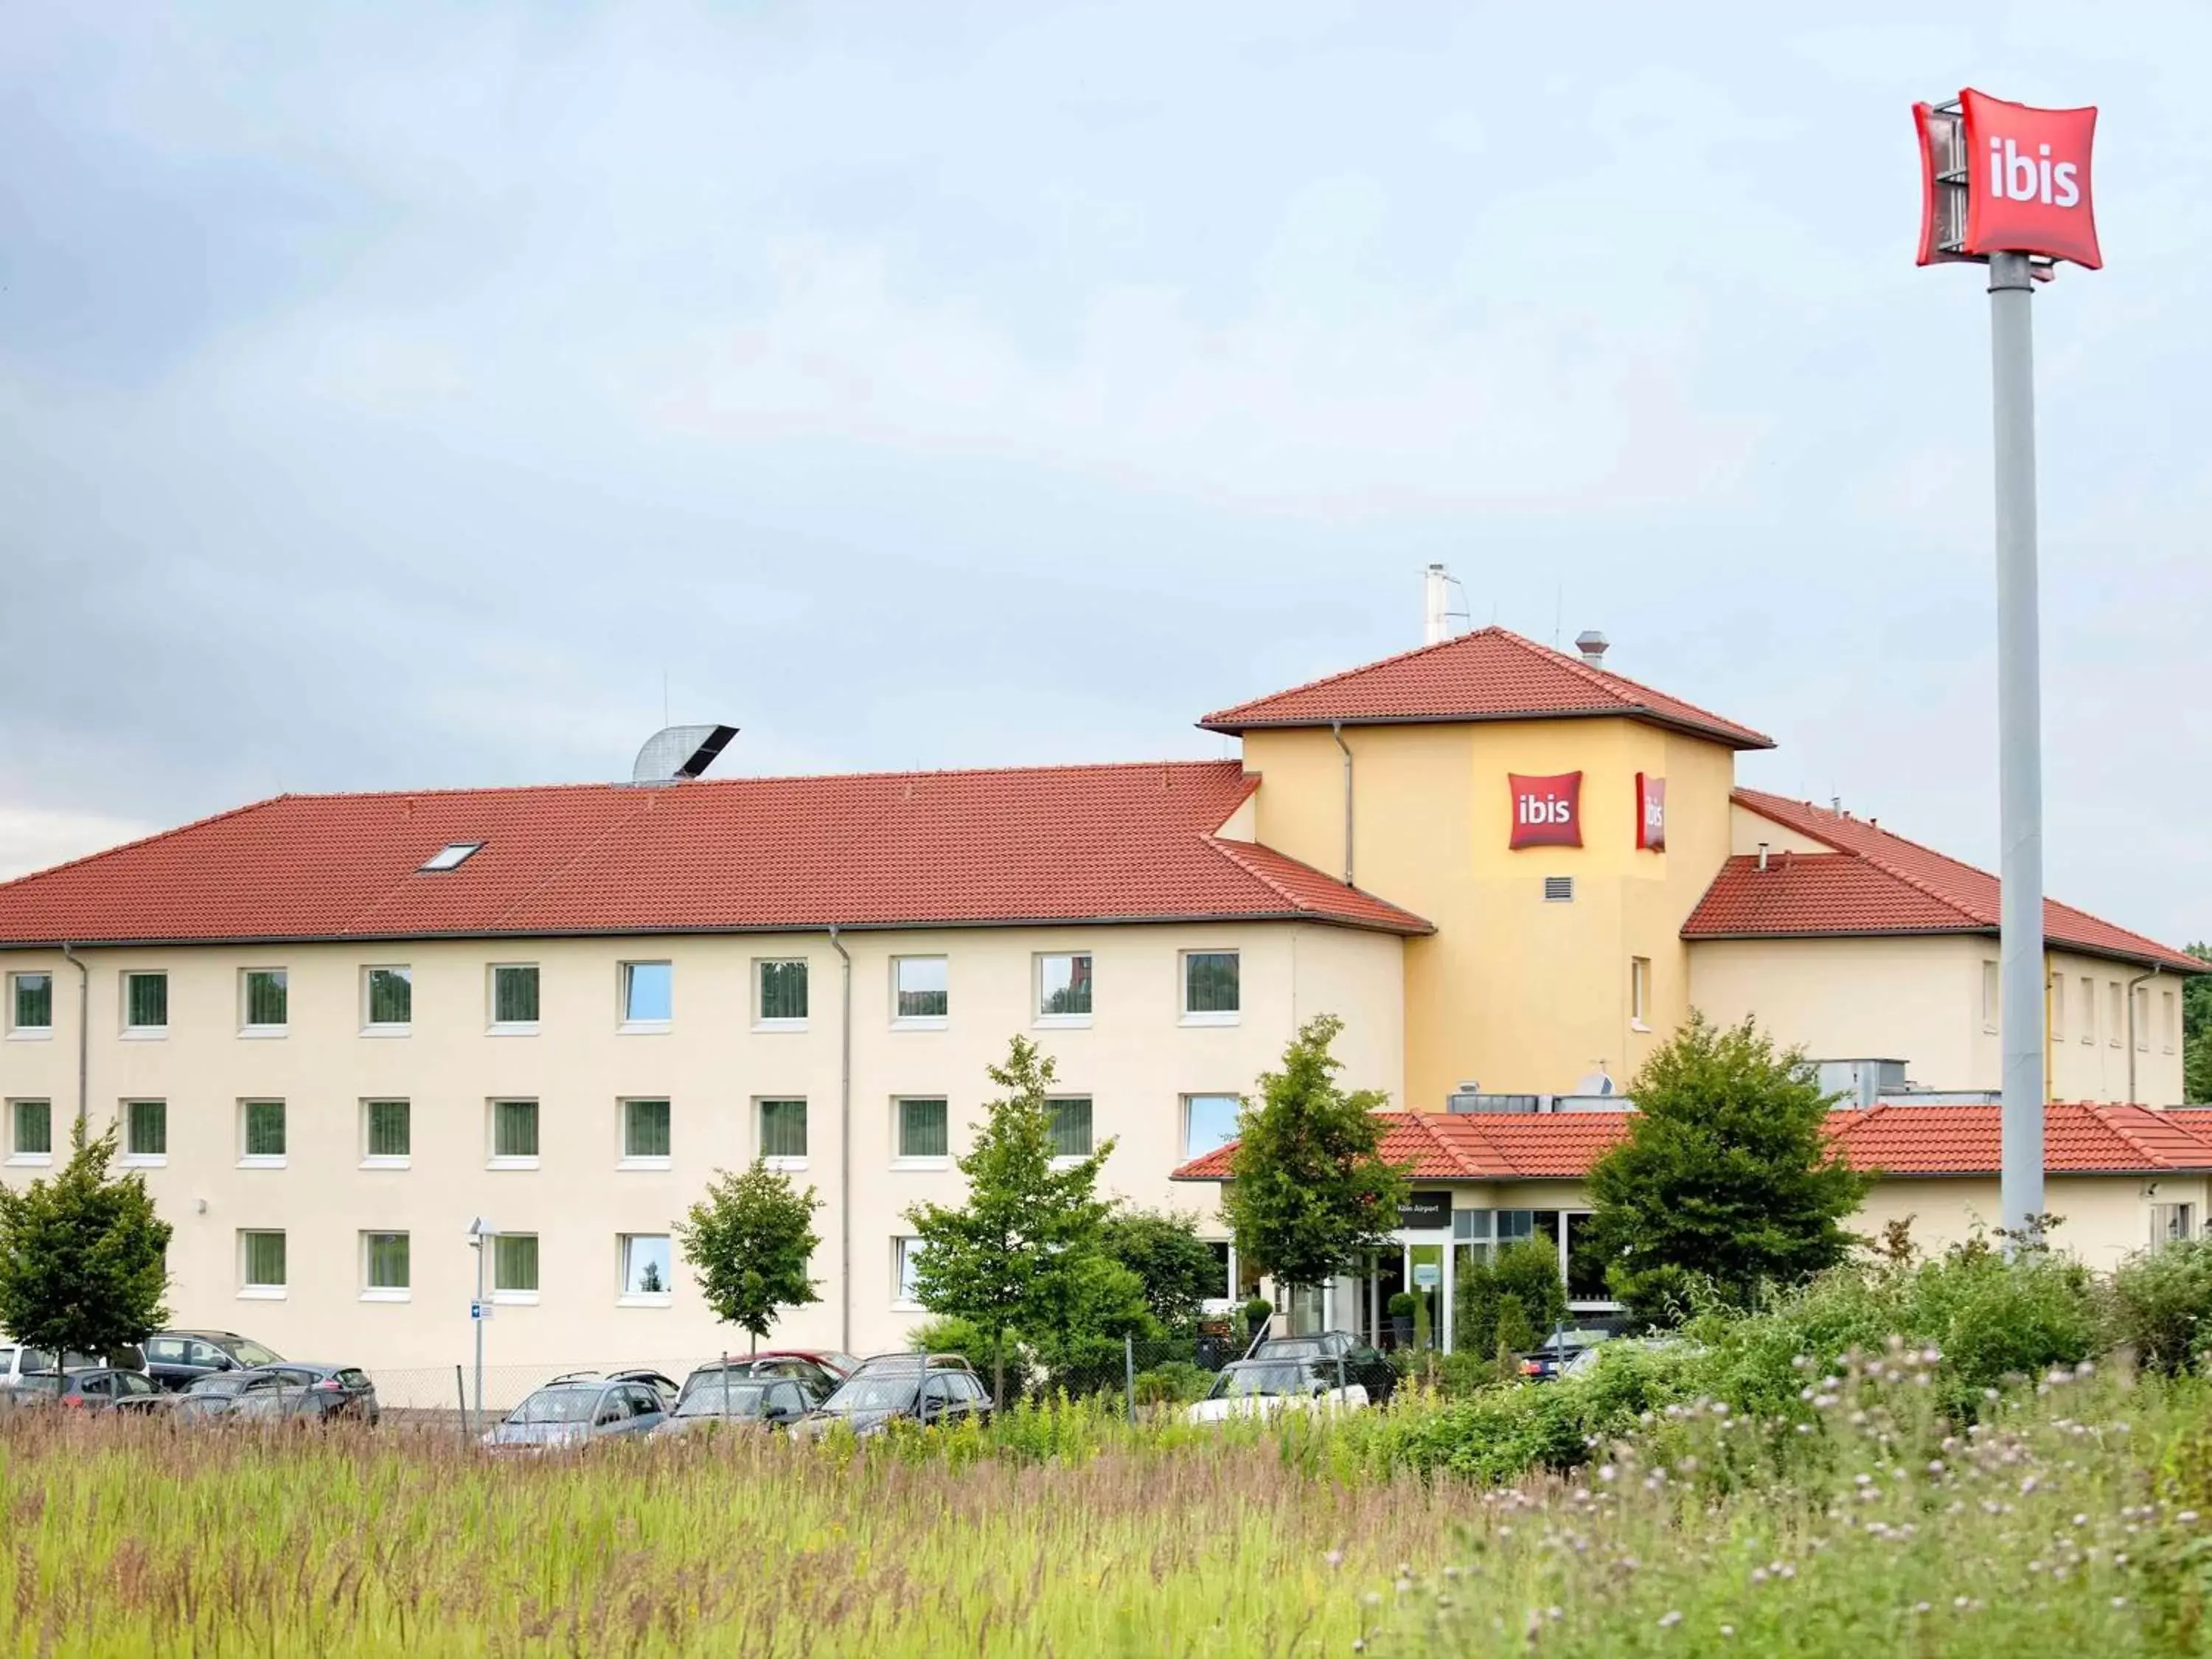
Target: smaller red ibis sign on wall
x=1547 y=811
x=1651 y=812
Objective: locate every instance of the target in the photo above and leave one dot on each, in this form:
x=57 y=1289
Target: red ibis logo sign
x=1548 y=811
x=2024 y=173
x=1650 y=812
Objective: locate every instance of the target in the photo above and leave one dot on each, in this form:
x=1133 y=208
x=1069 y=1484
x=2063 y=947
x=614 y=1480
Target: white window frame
x=371 y=1160
x=494 y=1025
x=2140 y=1007
x=2057 y=1007
x=132 y=1160
x=1182 y=1141
x=778 y=1161
x=1067 y=1160
x=248 y=1289
x=2162 y=1220
x=906 y=1249
x=2088 y=1009
x=384 y=1293
x=2169 y=1020
x=1639 y=994
x=263 y=1160
x=513 y=1298
x=31 y=1033
x=625 y=1297
x=493 y=1158
x=629 y=1027
x=244 y=1029
x=370 y=1028
x=146 y=1033
x=1992 y=996
x=762 y=1021
x=16 y=1160
x=1038 y=1017
x=922 y=1021
x=900 y=1159
x=2115 y=1008
x=624 y=1159
x=1210 y=1015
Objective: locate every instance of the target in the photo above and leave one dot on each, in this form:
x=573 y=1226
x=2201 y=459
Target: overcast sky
x=394 y=395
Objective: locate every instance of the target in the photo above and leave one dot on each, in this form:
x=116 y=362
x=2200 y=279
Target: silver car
x=562 y=1415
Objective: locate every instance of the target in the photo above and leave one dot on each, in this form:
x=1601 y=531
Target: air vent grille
x=1558 y=889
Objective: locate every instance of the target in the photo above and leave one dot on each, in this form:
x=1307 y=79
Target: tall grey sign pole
x=2019 y=741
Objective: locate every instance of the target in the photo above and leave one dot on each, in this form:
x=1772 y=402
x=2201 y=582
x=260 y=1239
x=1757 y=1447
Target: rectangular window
x=385 y=1269
x=145 y=1003
x=514 y=1134
x=924 y=1129
x=2058 y=1007
x=906 y=1256
x=514 y=996
x=645 y=1132
x=1209 y=1122
x=514 y=1265
x=2115 y=1017
x=387 y=1133
x=1991 y=994
x=919 y=988
x=1064 y=987
x=2172 y=1224
x=2088 y=1009
x=1210 y=989
x=260 y=1261
x=2166 y=1021
x=261 y=1132
x=648 y=995
x=782 y=992
x=32 y=1127
x=391 y=996
x=31 y=1001
x=2139 y=1006
x=267 y=994
x=783 y=1131
x=146 y=1131
x=1069 y=1123
x=646 y=1267
x=1639 y=993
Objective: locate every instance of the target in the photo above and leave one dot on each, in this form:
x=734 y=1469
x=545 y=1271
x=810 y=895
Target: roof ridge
x=137 y=841
x=1894 y=872
x=1363 y=668
x=1606 y=680
x=1225 y=849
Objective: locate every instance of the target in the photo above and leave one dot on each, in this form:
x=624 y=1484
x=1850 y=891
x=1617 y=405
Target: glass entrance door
x=1425 y=1277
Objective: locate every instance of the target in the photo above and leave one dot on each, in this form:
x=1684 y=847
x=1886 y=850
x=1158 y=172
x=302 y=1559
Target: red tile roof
x=1897 y=1139
x=1071 y=843
x=1491 y=674
x=1877 y=882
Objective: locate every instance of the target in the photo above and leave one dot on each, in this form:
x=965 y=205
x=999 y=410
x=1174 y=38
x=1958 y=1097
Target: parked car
x=177 y=1359
x=659 y=1382
x=1589 y=1358
x=755 y=1402
x=932 y=1390
x=823 y=1368
x=21 y=1367
x=96 y=1388
x=1550 y=1359
x=814 y=1383
x=1364 y=1365
x=1262 y=1387
x=296 y=1392
x=573 y=1410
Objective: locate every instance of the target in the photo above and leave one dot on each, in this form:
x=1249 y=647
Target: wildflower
x=2186 y=1518
x=1335 y=1557
x=1934 y=1464
x=2081 y=1520
x=2119 y=1601
x=1920 y=1607
x=1959 y=1602
x=2027 y=1486
x=1670 y=1620
x=1759 y=1574
x=1728 y=1630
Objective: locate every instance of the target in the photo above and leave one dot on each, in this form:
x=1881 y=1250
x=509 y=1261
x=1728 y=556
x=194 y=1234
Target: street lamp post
x=481 y=1233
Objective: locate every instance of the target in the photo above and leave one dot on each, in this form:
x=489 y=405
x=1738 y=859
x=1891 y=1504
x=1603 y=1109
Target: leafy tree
x=1177 y=1269
x=1726 y=1176
x=2197 y=1031
x=1023 y=1253
x=751 y=1241
x=84 y=1260
x=1520 y=1291
x=1310 y=1193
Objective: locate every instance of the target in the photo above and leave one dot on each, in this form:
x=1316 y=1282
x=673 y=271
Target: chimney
x=1762 y=855
x=1435 y=597
x=1591 y=644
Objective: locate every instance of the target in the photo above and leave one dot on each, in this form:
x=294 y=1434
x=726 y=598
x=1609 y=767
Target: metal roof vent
x=1592 y=645
x=676 y=753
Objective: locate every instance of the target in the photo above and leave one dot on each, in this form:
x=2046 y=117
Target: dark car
x=813 y=1370
x=769 y=1402
x=98 y=1388
x=928 y=1388
x=299 y=1392
x=177 y=1359
x=1551 y=1358
x=1365 y=1366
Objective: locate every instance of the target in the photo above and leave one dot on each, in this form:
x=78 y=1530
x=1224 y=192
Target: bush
x=946 y=1334
x=1177 y=1382
x=2161 y=1306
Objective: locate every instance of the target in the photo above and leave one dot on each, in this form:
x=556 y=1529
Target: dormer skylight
x=451 y=855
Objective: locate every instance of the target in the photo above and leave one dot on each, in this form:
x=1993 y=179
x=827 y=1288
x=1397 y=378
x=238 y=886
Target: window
x=1558 y=889
x=648 y=991
x=2088 y=1009
x=390 y=994
x=645 y=1266
x=645 y=1133
x=2115 y=1019
x=514 y=996
x=261 y=1134
x=919 y=985
x=1639 y=993
x=385 y=1274
x=2139 y=1011
x=1210 y=991
x=783 y=1133
x=2172 y=1224
x=514 y=1266
x=1068 y=1122
x=1209 y=1122
x=906 y=1256
x=145 y=1004
x=2058 y=1007
x=267 y=994
x=924 y=1130
x=452 y=856
x=387 y=1129
x=514 y=1134
x=1991 y=994
x=261 y=1264
x=781 y=988
x=2167 y=1023
x=1064 y=989
x=146 y=1131
x=31 y=1005
x=31 y=1132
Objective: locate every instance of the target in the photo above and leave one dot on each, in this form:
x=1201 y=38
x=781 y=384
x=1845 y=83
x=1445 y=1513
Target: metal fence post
x=461 y=1392
x=726 y=1391
x=1129 y=1373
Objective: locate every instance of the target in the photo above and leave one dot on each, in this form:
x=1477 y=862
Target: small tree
x=1003 y=1260
x=84 y=1260
x=1726 y=1176
x=1507 y=1303
x=1177 y=1269
x=2197 y=1031
x=751 y=1241
x=1308 y=1193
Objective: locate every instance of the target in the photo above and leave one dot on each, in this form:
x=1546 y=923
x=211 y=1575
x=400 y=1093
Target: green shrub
x=1177 y=1382
x=2161 y=1306
x=1402 y=1304
x=948 y=1334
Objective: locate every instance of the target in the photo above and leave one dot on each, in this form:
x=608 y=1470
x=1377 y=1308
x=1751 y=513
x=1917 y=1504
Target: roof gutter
x=84 y=1036
x=844 y=1142
x=1336 y=731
